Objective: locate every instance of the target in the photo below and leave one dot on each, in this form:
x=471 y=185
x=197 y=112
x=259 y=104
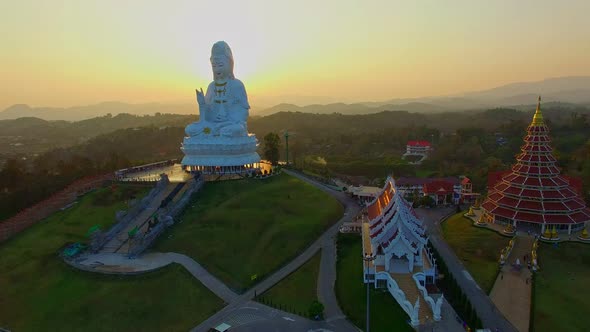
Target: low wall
x=47 y=207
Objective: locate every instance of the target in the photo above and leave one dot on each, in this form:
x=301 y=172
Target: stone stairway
x=120 y=242
x=408 y=285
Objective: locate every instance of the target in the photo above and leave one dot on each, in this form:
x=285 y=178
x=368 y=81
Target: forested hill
x=31 y=136
x=449 y=122
x=39 y=157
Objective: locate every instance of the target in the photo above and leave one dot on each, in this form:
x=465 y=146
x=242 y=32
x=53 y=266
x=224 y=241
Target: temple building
x=534 y=195
x=396 y=256
x=447 y=190
x=418 y=147
x=417 y=151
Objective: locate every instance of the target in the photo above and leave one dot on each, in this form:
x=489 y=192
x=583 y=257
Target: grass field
x=296 y=292
x=244 y=228
x=562 y=296
x=479 y=249
x=38 y=292
x=386 y=314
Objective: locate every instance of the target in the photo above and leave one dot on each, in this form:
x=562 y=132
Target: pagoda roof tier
x=520 y=214
x=535 y=158
x=537 y=139
x=534 y=190
x=534 y=193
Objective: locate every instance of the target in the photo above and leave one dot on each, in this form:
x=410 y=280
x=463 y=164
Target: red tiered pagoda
x=534 y=193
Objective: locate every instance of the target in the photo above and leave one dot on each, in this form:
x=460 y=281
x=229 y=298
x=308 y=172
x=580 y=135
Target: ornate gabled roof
x=534 y=190
x=392 y=220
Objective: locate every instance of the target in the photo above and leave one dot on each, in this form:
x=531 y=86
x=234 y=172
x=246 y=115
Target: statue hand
x=200 y=97
x=220 y=117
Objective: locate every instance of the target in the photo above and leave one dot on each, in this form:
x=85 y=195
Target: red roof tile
x=418 y=143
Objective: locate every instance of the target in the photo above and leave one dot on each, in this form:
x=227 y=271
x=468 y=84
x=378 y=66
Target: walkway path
x=335 y=319
x=327 y=275
x=512 y=289
x=486 y=310
x=116 y=263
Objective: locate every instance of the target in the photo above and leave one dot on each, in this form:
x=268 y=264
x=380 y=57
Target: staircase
x=407 y=284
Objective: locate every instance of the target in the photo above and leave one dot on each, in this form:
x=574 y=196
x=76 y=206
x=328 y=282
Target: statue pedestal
x=220 y=154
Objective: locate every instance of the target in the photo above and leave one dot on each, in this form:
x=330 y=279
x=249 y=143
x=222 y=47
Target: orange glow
x=81 y=52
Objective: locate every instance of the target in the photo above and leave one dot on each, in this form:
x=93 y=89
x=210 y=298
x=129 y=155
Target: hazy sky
x=64 y=53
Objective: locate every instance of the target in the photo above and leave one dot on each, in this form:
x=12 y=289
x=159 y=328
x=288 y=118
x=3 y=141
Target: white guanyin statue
x=219 y=142
x=223 y=109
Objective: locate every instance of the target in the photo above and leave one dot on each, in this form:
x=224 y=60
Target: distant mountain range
x=567 y=91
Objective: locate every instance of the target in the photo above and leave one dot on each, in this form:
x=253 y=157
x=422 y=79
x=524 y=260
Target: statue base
x=221 y=155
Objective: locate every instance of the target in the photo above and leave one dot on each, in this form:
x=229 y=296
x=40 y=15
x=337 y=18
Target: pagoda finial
x=538 y=117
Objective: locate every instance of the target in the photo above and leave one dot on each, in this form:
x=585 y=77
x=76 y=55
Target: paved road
x=335 y=319
x=486 y=310
x=256 y=317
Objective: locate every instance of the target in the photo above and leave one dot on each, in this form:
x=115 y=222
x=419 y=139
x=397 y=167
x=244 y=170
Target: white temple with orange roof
x=397 y=258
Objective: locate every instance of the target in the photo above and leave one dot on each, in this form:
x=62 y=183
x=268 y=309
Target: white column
x=542 y=229
x=569 y=229
x=411 y=263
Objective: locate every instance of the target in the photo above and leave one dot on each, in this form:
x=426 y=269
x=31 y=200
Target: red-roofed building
x=441 y=191
x=462 y=190
x=533 y=194
x=418 y=148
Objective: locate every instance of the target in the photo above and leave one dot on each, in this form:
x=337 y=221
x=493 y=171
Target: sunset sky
x=66 y=53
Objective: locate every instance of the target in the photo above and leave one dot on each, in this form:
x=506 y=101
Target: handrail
x=435 y=305
x=399 y=295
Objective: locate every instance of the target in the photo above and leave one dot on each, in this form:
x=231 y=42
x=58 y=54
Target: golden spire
x=538 y=117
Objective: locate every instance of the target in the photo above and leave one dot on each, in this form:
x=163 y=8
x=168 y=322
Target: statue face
x=220 y=66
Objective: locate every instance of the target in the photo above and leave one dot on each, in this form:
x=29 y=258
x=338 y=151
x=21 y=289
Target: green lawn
x=38 y=292
x=241 y=228
x=296 y=292
x=386 y=314
x=479 y=249
x=562 y=296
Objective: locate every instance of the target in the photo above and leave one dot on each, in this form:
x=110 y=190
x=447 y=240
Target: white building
x=396 y=255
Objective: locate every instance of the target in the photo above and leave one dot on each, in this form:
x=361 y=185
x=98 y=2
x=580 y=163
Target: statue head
x=222 y=61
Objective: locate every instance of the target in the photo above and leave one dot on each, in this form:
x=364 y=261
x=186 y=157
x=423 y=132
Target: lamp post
x=287 y=147
x=368 y=258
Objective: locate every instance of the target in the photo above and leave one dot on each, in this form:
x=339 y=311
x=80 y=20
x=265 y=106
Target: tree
x=272 y=144
x=316 y=309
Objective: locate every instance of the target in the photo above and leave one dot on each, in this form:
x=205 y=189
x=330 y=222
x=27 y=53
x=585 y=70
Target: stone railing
x=399 y=295
x=435 y=305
